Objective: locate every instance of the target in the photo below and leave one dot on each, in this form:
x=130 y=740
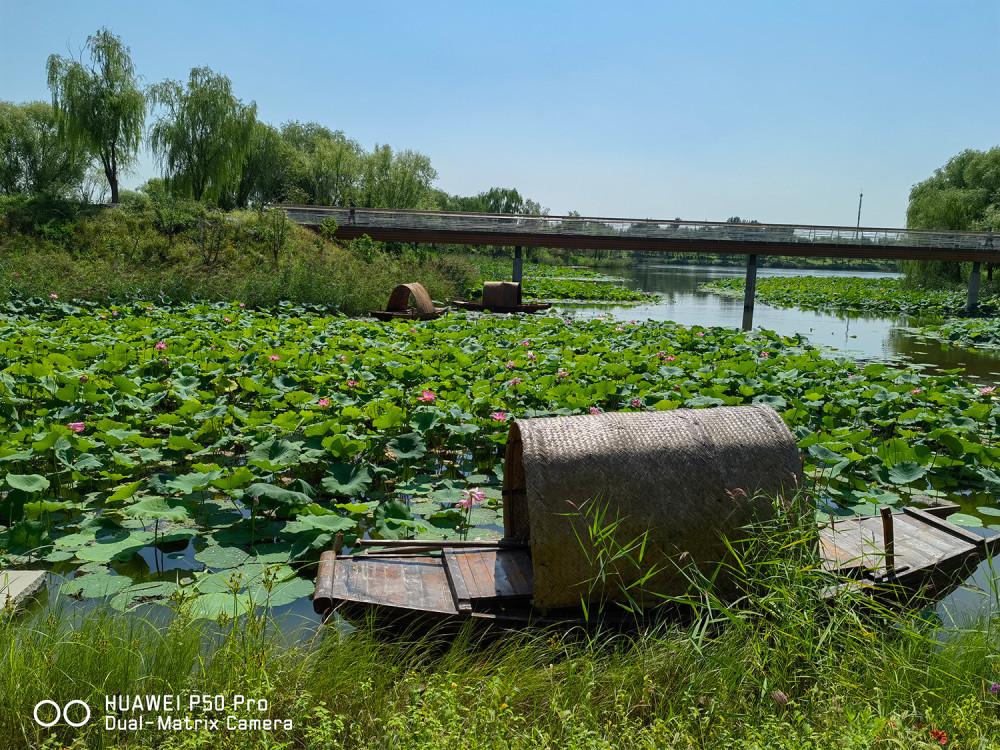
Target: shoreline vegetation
x=782 y=667
x=940 y=312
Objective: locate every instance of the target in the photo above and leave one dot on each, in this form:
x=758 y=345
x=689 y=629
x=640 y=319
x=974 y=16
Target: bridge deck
x=651 y=235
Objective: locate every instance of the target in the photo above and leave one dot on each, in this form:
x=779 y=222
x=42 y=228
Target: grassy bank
x=780 y=668
x=152 y=250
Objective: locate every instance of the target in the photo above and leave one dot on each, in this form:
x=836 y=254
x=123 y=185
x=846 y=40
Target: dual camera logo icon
x=61 y=712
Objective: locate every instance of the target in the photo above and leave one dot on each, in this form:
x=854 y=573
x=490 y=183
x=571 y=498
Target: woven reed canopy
x=676 y=475
x=501 y=294
x=398 y=305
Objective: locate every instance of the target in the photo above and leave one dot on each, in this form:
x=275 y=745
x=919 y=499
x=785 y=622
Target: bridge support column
x=972 y=301
x=518 y=264
x=750 y=292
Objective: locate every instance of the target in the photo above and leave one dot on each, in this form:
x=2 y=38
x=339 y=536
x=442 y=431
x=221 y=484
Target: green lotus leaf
x=170 y=509
x=964 y=519
x=142 y=593
x=219 y=557
x=350 y=480
x=906 y=472
x=988 y=510
x=281 y=593
x=274 y=497
x=27 y=482
x=95 y=585
x=212 y=606
x=329 y=523
x=408 y=447
x=193 y=481
x=125 y=491
x=116 y=547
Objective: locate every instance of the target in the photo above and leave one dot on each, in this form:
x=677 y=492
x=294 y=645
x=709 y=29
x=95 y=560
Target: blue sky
x=773 y=110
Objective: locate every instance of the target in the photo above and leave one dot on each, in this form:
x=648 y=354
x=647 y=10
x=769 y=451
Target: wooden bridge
x=647 y=235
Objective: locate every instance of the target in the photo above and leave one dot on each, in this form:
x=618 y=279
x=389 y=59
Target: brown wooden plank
x=932 y=542
x=517 y=564
x=473 y=578
x=417 y=583
x=484 y=566
x=456 y=581
x=943 y=525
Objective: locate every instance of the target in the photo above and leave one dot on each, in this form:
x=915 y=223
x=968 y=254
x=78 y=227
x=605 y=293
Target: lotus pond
x=204 y=455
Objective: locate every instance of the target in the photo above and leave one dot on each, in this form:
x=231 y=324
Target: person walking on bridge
x=350 y=216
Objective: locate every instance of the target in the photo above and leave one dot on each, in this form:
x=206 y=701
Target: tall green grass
x=780 y=667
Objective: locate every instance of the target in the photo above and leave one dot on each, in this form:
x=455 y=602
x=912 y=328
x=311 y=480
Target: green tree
x=963 y=195
x=34 y=159
x=267 y=169
x=203 y=135
x=100 y=107
x=327 y=164
x=400 y=180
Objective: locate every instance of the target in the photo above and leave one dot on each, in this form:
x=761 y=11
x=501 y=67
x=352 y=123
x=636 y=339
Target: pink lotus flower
x=17 y=275
x=636 y=403
x=160 y=346
x=427 y=397
x=343 y=357
x=916 y=391
x=633 y=322
x=764 y=355
x=213 y=347
x=83 y=378
x=322 y=402
x=515 y=381
x=114 y=313
x=413 y=330
x=499 y=416
x=471 y=497
x=511 y=365
x=77 y=427
x=149 y=309
x=103 y=317
x=700 y=333
x=619 y=328
x=562 y=374
x=987 y=391
x=351 y=383
x=526 y=343
x=670 y=358
x=274 y=357
x=164 y=362
x=595 y=410
x=532 y=357
x=242 y=305
x=53 y=296
x=227 y=320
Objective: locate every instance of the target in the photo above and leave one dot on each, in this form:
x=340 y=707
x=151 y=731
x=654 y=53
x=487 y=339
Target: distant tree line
x=209 y=145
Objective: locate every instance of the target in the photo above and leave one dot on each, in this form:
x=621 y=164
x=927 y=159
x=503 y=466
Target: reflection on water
x=860 y=335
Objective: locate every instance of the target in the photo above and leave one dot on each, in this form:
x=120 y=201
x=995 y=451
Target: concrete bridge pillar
x=518 y=264
x=750 y=292
x=972 y=301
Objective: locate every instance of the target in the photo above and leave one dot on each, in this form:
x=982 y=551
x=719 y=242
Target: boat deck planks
x=495 y=581
x=922 y=541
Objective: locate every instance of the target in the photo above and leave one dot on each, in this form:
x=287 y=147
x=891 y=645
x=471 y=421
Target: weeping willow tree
x=963 y=195
x=100 y=107
x=203 y=135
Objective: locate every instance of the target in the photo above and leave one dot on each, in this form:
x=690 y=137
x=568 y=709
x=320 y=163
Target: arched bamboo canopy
x=685 y=478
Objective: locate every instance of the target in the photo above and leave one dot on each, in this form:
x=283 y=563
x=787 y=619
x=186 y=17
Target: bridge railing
x=675 y=229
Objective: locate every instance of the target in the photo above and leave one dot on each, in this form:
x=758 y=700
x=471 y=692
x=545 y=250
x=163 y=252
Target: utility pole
x=860 y=196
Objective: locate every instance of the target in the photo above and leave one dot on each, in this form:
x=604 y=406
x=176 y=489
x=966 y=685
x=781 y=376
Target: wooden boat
x=398 y=307
x=494 y=581
x=684 y=481
x=502 y=297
